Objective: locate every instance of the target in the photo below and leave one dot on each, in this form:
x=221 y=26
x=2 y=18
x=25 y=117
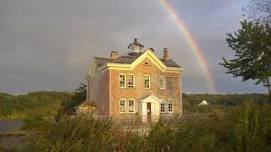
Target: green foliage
x=258 y=10
x=36 y=123
x=252 y=127
x=245 y=128
x=43 y=104
x=252 y=49
x=81 y=135
x=78 y=135
x=77 y=98
x=230 y=123
x=219 y=101
x=68 y=106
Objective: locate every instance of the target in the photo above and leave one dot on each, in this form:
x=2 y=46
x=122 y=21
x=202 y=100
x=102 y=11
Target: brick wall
x=98 y=91
x=139 y=92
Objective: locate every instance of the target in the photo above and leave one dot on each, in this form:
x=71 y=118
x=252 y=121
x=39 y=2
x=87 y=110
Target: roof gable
x=130 y=62
x=149 y=55
x=152 y=57
x=152 y=98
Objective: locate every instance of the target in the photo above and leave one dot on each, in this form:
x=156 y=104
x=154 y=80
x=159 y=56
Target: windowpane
x=163 y=108
x=169 y=83
x=170 y=106
x=131 y=105
x=122 y=80
x=122 y=105
x=147 y=81
x=131 y=80
x=162 y=82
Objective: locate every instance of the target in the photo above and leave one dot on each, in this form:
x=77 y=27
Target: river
x=10 y=142
x=10 y=125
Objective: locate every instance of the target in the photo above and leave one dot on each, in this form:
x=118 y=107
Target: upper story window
x=162 y=82
x=131 y=80
x=147 y=82
x=170 y=83
x=170 y=106
x=122 y=105
x=131 y=105
x=122 y=80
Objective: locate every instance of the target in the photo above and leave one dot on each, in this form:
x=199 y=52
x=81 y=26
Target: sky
x=49 y=44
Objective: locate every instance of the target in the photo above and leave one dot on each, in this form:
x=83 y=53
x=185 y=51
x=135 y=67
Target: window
x=162 y=107
x=170 y=106
x=146 y=64
x=170 y=83
x=122 y=80
x=122 y=105
x=131 y=105
x=131 y=80
x=147 y=82
x=162 y=82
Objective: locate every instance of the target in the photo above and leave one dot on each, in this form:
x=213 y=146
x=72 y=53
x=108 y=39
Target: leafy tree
x=258 y=10
x=252 y=46
x=76 y=99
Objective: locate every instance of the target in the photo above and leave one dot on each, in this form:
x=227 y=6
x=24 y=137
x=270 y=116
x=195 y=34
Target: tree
x=68 y=106
x=258 y=10
x=79 y=97
x=252 y=46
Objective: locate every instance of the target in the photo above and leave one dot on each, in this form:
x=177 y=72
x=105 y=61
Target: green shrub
x=32 y=104
x=245 y=128
x=36 y=123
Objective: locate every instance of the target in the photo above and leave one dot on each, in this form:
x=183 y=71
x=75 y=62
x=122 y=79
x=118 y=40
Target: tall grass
x=246 y=128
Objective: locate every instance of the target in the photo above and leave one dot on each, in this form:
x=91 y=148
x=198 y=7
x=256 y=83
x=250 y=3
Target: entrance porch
x=150 y=109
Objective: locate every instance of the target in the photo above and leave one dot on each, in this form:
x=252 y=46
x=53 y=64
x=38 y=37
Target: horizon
x=183 y=93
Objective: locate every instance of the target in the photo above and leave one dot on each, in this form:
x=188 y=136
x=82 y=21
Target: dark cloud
x=48 y=45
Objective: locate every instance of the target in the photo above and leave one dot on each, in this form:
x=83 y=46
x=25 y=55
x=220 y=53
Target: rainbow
x=192 y=44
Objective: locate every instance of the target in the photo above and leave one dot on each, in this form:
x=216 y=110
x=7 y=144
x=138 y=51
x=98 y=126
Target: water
x=10 y=142
x=10 y=125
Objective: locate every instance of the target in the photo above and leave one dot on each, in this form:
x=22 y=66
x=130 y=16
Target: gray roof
x=170 y=63
x=131 y=59
x=135 y=43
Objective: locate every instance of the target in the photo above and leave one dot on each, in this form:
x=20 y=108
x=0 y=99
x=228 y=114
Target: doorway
x=149 y=112
x=150 y=109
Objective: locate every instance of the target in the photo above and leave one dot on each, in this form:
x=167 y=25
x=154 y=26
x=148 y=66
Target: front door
x=149 y=112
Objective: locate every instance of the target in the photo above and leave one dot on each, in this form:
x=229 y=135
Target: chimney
x=166 y=54
x=114 y=54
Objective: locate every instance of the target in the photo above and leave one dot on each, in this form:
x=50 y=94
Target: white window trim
x=124 y=80
x=149 y=81
x=170 y=100
x=164 y=107
x=164 y=79
x=133 y=81
x=134 y=108
x=122 y=99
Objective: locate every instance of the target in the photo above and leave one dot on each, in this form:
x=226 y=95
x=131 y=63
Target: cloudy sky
x=49 y=44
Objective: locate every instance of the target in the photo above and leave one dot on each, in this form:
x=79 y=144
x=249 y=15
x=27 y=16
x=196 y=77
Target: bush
x=32 y=104
x=36 y=123
x=246 y=128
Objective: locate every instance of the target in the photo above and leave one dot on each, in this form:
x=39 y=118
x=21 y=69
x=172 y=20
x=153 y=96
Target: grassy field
x=226 y=101
x=243 y=128
x=230 y=123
